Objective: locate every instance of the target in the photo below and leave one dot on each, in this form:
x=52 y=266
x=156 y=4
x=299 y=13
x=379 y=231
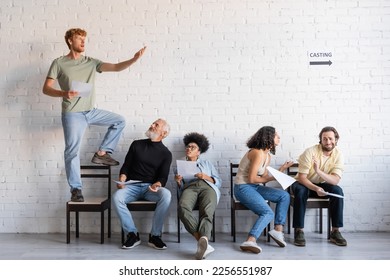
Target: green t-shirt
x=66 y=70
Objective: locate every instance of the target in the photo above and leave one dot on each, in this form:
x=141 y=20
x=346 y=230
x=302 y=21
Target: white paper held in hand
x=333 y=194
x=187 y=169
x=127 y=182
x=283 y=179
x=84 y=89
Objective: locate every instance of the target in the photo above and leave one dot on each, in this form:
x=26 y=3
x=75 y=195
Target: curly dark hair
x=198 y=139
x=263 y=139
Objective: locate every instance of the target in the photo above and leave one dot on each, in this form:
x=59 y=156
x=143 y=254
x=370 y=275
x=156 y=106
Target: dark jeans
x=302 y=193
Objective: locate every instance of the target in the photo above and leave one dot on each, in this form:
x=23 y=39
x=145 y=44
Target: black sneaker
x=156 y=242
x=299 y=238
x=77 y=196
x=106 y=159
x=337 y=238
x=131 y=241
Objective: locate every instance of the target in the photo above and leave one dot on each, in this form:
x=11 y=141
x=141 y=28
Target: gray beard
x=151 y=135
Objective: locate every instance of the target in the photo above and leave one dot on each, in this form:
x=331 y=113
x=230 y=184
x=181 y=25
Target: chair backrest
x=292 y=170
x=233 y=173
x=97 y=171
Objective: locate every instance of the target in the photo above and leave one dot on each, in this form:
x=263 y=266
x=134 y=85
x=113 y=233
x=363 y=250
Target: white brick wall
x=223 y=68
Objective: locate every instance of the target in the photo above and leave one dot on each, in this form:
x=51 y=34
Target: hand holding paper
x=333 y=194
x=84 y=89
x=127 y=182
x=187 y=169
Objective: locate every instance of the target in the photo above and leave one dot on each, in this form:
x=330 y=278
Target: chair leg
x=328 y=224
x=109 y=223
x=321 y=220
x=268 y=228
x=213 y=231
x=178 y=228
x=231 y=222
x=77 y=224
x=234 y=225
x=67 y=226
x=289 y=220
x=101 y=227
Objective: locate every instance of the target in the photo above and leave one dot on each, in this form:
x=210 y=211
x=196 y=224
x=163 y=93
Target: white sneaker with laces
x=251 y=247
x=278 y=237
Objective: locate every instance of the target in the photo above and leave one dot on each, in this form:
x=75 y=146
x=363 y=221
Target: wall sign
x=320 y=58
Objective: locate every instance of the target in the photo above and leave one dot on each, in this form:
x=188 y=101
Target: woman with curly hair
x=203 y=190
x=250 y=190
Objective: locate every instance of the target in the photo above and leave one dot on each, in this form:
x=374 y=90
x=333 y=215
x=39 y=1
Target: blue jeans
x=254 y=197
x=301 y=193
x=140 y=191
x=74 y=125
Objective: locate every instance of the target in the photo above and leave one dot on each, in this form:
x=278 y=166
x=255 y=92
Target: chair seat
x=89 y=200
x=142 y=202
x=142 y=205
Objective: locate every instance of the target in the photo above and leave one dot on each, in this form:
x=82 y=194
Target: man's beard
x=151 y=135
x=328 y=149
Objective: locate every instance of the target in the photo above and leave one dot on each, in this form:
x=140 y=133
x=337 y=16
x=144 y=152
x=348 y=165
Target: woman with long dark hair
x=250 y=189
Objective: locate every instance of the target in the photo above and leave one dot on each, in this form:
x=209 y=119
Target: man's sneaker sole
x=202 y=247
x=131 y=247
x=299 y=244
x=155 y=247
x=77 y=200
x=99 y=161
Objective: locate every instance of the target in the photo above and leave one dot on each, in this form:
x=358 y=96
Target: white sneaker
x=278 y=237
x=208 y=251
x=202 y=247
x=251 y=247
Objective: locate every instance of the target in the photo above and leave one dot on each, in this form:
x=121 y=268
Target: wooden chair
x=137 y=206
x=235 y=204
x=196 y=208
x=312 y=202
x=92 y=204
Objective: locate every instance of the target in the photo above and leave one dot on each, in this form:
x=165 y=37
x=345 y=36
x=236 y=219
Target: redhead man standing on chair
x=74 y=72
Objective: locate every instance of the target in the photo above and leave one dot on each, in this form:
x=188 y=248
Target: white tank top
x=243 y=170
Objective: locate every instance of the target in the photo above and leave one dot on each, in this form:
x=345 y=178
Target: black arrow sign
x=321 y=62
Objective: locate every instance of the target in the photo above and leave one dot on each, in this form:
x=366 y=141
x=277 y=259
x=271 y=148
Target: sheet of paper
x=84 y=89
x=187 y=169
x=127 y=182
x=283 y=179
x=333 y=194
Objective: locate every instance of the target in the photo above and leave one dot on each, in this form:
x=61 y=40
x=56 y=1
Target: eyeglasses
x=192 y=147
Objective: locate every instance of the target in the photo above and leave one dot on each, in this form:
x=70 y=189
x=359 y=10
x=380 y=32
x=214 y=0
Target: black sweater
x=147 y=161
